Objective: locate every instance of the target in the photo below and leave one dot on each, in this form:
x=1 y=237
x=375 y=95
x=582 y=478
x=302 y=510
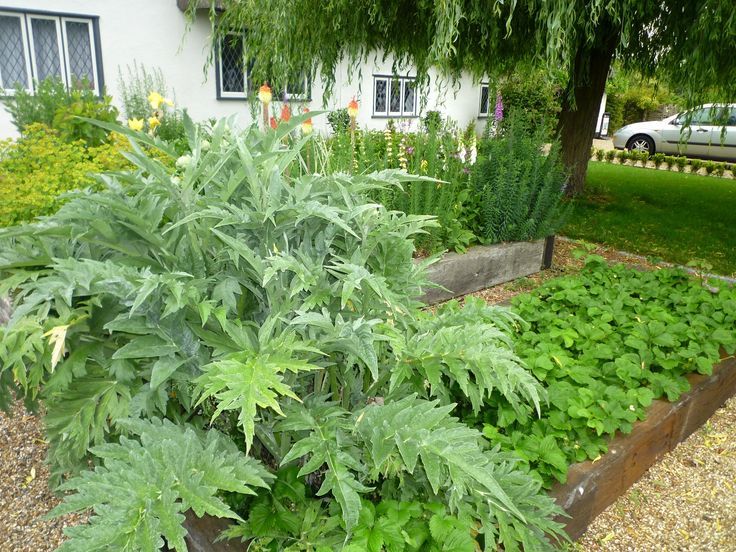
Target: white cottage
x=99 y=39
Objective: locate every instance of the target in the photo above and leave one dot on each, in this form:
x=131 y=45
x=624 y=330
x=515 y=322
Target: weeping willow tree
x=690 y=43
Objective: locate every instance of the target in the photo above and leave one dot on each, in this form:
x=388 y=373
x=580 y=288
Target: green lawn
x=674 y=216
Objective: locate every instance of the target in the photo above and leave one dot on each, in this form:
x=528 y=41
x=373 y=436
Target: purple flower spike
x=498 y=113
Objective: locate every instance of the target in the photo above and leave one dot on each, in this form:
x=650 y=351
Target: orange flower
x=353 y=108
x=285 y=113
x=273 y=122
x=264 y=93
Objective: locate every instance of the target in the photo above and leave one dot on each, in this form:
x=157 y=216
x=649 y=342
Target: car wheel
x=641 y=143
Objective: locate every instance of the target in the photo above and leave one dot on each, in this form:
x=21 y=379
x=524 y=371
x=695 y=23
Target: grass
x=673 y=216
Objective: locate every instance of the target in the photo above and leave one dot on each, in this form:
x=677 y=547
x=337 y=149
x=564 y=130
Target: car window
x=732 y=117
x=706 y=116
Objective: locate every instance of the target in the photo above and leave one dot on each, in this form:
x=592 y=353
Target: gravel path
x=685 y=502
x=24 y=492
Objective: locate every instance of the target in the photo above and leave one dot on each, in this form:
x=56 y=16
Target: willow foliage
x=689 y=42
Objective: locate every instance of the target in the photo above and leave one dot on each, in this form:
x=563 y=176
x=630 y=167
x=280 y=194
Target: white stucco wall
x=152 y=33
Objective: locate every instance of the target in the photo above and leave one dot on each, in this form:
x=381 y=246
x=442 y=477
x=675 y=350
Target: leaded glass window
x=394 y=97
x=79 y=52
x=409 y=107
x=34 y=47
x=232 y=75
x=484 y=101
x=13 y=66
x=46 y=54
x=380 y=96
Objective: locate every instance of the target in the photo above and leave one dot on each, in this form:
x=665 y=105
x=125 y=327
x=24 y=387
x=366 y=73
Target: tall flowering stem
x=498 y=112
x=353 y=113
x=265 y=96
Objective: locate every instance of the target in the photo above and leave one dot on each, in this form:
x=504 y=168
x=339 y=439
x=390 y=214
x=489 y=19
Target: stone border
x=593 y=486
x=484 y=266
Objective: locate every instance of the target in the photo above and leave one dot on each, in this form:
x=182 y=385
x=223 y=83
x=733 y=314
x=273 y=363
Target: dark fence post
x=549 y=249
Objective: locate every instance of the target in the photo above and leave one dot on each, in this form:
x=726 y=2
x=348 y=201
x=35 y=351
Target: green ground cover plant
x=673 y=216
x=200 y=331
x=605 y=343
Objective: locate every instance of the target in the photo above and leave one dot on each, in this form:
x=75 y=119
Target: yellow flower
x=155 y=99
x=153 y=122
x=423 y=165
x=135 y=124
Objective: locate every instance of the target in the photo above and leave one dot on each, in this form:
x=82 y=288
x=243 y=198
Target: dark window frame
x=250 y=88
x=484 y=114
x=60 y=19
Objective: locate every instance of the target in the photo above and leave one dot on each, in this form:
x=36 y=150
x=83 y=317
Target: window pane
x=46 y=48
x=394 y=105
x=79 y=51
x=297 y=87
x=409 y=97
x=484 y=100
x=231 y=60
x=379 y=97
x=12 y=60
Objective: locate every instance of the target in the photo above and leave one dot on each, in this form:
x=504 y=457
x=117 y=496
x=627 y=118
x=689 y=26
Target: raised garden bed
x=485 y=266
x=592 y=486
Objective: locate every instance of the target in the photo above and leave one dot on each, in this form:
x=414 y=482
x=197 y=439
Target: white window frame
x=29 y=47
x=390 y=82
x=305 y=97
x=59 y=44
x=26 y=54
x=92 y=50
x=221 y=92
x=376 y=80
x=487 y=112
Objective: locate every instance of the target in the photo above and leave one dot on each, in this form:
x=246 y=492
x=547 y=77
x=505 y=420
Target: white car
x=708 y=131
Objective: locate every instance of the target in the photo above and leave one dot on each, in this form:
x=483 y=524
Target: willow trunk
x=579 y=114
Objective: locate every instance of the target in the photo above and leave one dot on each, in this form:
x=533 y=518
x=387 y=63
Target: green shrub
x=56 y=107
x=695 y=165
x=643 y=158
x=610 y=155
x=670 y=160
x=339 y=120
x=599 y=154
x=623 y=156
x=681 y=163
x=40 y=166
x=518 y=190
x=658 y=159
x=719 y=169
x=278 y=306
x=710 y=166
x=432 y=121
